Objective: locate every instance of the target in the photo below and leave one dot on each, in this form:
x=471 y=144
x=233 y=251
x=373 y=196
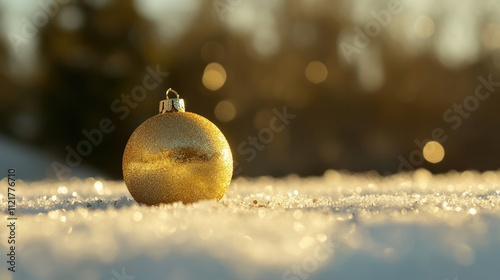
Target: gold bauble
x=177 y=156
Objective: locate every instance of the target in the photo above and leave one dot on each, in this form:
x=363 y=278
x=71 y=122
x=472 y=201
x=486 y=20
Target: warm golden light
x=98 y=186
x=491 y=36
x=214 y=76
x=433 y=152
x=316 y=72
x=225 y=111
x=424 y=27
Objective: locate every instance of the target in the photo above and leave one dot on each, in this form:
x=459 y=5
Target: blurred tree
x=358 y=116
x=84 y=69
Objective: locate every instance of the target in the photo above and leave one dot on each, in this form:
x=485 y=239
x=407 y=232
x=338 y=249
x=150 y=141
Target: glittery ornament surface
x=177 y=156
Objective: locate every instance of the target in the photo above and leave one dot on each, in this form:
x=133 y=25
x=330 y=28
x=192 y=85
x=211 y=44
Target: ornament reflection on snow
x=177 y=156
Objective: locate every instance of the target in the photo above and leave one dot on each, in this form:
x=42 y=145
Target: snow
x=337 y=226
x=36 y=164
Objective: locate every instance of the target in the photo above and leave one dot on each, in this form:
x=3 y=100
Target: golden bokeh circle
x=433 y=152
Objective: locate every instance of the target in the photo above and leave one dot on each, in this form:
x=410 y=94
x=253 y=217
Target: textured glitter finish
x=177 y=156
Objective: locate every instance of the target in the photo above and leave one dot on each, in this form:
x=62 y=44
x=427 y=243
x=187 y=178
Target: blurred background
x=364 y=79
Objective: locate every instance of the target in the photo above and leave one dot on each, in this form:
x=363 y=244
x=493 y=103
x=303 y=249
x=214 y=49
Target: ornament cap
x=172 y=104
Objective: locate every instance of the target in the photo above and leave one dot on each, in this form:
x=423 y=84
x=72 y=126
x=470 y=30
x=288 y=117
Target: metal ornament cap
x=172 y=105
x=177 y=156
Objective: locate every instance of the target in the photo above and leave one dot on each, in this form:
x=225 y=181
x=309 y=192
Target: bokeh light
x=433 y=152
x=98 y=186
x=225 y=111
x=424 y=27
x=214 y=76
x=491 y=36
x=316 y=72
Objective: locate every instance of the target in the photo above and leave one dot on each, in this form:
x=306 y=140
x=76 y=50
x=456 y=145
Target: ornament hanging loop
x=172 y=104
x=171 y=90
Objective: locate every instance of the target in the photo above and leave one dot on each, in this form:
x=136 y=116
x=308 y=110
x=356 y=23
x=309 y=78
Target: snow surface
x=36 y=164
x=338 y=226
